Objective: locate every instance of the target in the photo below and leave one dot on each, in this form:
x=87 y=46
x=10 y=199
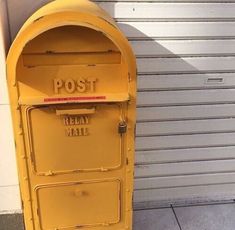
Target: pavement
x=196 y=217
x=200 y=217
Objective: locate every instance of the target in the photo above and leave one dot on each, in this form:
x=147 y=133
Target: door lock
x=122 y=127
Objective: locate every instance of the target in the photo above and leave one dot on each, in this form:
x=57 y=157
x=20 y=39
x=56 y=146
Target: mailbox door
x=74 y=205
x=74 y=138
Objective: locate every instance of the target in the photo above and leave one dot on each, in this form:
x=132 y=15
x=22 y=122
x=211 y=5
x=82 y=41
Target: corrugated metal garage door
x=186 y=98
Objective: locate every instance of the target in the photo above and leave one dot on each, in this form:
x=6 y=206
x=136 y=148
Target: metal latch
x=122 y=127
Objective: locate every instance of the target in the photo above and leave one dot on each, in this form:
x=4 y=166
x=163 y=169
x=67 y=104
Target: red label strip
x=58 y=99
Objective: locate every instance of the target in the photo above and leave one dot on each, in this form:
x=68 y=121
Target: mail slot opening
x=70 y=45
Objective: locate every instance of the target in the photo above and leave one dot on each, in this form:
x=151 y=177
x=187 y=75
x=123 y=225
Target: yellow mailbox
x=72 y=87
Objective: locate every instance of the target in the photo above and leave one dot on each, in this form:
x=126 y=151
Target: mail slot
x=72 y=87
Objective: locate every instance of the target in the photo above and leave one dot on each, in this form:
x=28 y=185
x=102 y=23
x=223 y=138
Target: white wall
x=9 y=189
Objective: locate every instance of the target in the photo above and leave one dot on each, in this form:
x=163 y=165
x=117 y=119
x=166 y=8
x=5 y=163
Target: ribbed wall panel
x=185 y=144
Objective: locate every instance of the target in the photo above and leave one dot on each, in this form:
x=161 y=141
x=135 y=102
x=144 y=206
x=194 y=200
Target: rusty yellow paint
x=72 y=84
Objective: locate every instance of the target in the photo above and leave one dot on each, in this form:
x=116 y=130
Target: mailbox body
x=72 y=86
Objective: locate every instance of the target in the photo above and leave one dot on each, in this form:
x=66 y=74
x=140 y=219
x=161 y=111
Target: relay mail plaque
x=72 y=86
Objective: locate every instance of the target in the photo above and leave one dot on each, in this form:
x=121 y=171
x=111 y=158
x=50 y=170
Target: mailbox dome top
x=62 y=13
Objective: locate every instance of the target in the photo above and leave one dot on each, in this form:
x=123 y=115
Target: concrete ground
x=201 y=217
